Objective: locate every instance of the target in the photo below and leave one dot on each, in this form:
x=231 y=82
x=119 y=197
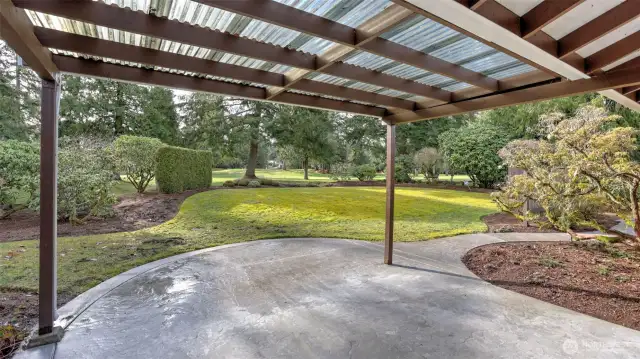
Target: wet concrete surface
x=332 y=298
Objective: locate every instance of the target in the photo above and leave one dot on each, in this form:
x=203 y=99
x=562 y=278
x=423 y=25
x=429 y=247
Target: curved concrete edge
x=70 y=311
x=74 y=308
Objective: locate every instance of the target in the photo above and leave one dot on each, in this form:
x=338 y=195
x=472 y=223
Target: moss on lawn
x=227 y=216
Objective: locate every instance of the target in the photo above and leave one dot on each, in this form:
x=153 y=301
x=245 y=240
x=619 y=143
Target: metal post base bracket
x=37 y=340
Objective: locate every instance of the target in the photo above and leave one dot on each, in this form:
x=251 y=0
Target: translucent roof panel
x=422 y=34
x=406 y=72
x=513 y=71
x=81 y=28
x=369 y=61
x=435 y=80
x=415 y=32
x=329 y=97
x=459 y=51
x=356 y=85
x=490 y=62
x=216 y=19
x=156 y=68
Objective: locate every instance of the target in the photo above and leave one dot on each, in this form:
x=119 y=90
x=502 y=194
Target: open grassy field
x=296 y=175
x=228 y=216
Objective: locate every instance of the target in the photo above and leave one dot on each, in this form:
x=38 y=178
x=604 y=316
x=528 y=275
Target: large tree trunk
x=635 y=211
x=118 y=122
x=305 y=163
x=253 y=161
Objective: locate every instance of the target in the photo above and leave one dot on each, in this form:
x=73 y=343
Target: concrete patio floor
x=326 y=298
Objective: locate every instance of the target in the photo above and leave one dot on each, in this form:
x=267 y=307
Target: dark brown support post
x=48 y=204
x=391 y=184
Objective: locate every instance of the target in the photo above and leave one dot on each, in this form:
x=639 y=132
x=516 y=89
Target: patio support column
x=391 y=184
x=49 y=102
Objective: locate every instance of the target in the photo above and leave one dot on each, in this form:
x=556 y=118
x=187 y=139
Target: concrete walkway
x=327 y=298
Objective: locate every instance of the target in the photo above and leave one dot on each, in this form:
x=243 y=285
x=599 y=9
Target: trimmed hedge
x=180 y=169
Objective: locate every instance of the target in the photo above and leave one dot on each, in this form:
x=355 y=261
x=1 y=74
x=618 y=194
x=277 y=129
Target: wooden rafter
x=112 y=16
x=16 y=29
x=598 y=27
x=140 y=75
x=507 y=21
x=565 y=48
x=543 y=14
x=630 y=89
x=371 y=28
x=605 y=81
x=109 y=49
x=290 y=17
x=612 y=53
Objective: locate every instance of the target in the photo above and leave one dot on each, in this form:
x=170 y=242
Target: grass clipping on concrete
x=229 y=216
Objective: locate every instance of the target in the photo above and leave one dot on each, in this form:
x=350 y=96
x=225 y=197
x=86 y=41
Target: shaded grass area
x=228 y=216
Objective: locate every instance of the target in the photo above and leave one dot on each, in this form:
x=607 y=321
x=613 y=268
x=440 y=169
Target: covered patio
x=400 y=60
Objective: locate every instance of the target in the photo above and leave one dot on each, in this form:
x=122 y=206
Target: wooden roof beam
x=371 y=28
x=501 y=17
x=548 y=11
x=112 y=16
x=612 y=53
x=16 y=29
x=543 y=14
x=110 y=49
x=292 y=18
x=605 y=81
x=140 y=75
x=598 y=27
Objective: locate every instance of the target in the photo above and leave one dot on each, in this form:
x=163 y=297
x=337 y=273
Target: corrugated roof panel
x=490 y=62
x=327 y=78
x=225 y=21
x=157 y=68
x=330 y=97
x=457 y=86
x=406 y=71
x=392 y=93
x=351 y=84
x=422 y=34
x=368 y=60
x=86 y=29
x=416 y=98
x=513 y=71
x=347 y=12
x=364 y=86
x=461 y=50
x=435 y=80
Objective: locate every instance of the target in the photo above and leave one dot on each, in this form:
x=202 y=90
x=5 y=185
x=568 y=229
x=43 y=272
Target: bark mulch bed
x=132 y=212
x=505 y=222
x=586 y=276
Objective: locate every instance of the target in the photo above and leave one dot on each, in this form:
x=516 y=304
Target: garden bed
x=506 y=222
x=132 y=212
x=589 y=277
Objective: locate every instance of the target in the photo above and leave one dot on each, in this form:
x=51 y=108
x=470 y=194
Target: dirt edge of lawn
x=138 y=211
x=589 y=277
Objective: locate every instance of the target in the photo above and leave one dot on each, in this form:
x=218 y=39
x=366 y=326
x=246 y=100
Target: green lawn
x=227 y=216
x=221 y=175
